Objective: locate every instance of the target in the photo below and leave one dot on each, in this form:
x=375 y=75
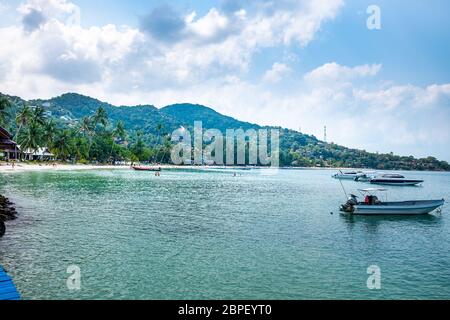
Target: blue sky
x=413 y=45
x=295 y=63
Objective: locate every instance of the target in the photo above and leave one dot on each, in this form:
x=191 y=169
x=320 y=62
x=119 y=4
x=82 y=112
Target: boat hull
x=146 y=169
x=399 y=208
x=396 y=183
x=345 y=177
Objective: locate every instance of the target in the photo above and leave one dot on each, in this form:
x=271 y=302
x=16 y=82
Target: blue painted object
x=7 y=289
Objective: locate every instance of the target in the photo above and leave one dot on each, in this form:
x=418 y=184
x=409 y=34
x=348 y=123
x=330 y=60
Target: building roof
x=41 y=151
x=4 y=134
x=6 y=144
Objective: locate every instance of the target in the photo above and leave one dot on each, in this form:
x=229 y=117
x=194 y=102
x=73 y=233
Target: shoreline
x=7 y=213
x=36 y=167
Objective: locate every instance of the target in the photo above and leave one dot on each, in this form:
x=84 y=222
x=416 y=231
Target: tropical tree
x=31 y=138
x=87 y=128
x=38 y=115
x=118 y=132
x=4 y=110
x=100 y=117
x=23 y=117
x=62 y=145
x=139 y=150
x=80 y=148
x=49 y=133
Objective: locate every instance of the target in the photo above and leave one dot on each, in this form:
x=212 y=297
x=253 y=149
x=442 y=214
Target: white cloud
x=335 y=73
x=52 y=45
x=37 y=12
x=209 y=26
x=277 y=72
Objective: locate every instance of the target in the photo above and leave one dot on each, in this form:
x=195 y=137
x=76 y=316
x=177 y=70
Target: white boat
x=365 y=177
x=373 y=206
x=394 y=180
x=349 y=175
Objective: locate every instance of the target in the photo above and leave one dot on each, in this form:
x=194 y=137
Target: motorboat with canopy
x=373 y=205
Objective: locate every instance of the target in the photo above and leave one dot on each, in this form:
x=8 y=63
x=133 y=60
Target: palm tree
x=30 y=139
x=138 y=148
x=100 y=117
x=4 y=106
x=49 y=133
x=118 y=132
x=62 y=145
x=87 y=128
x=23 y=117
x=38 y=115
x=81 y=147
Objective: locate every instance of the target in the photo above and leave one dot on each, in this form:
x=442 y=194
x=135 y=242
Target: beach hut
x=40 y=154
x=8 y=148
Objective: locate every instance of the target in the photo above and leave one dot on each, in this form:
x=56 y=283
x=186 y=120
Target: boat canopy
x=393 y=176
x=372 y=189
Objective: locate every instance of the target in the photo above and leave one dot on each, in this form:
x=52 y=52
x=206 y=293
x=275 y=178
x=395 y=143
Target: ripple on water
x=207 y=234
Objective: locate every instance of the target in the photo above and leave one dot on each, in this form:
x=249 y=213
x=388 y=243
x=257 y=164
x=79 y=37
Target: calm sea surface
x=205 y=234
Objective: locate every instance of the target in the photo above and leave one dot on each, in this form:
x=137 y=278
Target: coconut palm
x=118 y=132
x=62 y=145
x=49 y=133
x=87 y=127
x=30 y=139
x=23 y=117
x=4 y=109
x=100 y=117
x=38 y=115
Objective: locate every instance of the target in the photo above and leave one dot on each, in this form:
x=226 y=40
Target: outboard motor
x=351 y=201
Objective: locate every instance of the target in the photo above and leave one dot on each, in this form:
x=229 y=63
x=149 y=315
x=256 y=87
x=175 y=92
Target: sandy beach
x=22 y=167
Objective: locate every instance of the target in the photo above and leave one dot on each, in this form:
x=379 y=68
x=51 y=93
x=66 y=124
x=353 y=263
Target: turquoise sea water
x=205 y=234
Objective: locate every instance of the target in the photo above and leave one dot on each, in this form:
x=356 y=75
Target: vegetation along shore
x=79 y=129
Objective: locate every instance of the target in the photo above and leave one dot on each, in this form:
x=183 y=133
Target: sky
x=292 y=63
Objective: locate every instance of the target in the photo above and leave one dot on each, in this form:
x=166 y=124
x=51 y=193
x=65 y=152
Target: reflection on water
x=374 y=222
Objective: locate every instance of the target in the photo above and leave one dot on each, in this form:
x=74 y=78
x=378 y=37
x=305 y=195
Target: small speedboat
x=365 y=177
x=394 y=180
x=373 y=206
x=142 y=168
x=348 y=175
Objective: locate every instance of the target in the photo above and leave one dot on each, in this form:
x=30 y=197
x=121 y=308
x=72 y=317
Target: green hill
x=297 y=149
x=187 y=113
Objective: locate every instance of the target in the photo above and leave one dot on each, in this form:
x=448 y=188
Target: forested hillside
x=90 y=130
